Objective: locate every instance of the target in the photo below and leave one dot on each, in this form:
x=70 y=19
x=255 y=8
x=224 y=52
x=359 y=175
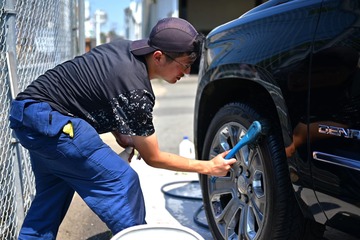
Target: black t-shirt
x=108 y=87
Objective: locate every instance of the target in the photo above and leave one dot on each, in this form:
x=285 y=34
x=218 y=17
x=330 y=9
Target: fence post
x=78 y=28
x=13 y=82
x=81 y=21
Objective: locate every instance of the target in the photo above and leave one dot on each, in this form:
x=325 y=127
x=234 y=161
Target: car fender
x=239 y=82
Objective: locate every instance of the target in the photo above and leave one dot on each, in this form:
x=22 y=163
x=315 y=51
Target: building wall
x=207 y=14
x=153 y=11
x=133 y=20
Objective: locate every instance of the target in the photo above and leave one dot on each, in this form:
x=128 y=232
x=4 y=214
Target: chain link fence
x=35 y=35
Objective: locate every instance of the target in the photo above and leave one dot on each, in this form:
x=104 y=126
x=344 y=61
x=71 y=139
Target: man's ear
x=157 y=55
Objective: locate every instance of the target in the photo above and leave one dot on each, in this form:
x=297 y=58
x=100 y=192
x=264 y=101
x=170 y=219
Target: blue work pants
x=64 y=164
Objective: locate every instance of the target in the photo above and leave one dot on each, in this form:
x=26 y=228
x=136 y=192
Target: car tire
x=255 y=200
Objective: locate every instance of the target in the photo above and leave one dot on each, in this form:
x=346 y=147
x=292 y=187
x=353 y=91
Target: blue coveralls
x=62 y=165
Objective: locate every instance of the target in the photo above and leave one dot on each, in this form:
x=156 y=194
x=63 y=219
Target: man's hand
x=219 y=166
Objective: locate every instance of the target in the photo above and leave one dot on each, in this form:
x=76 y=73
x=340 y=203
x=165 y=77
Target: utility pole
x=100 y=18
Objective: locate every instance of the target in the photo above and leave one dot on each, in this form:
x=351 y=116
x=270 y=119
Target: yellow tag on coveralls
x=69 y=130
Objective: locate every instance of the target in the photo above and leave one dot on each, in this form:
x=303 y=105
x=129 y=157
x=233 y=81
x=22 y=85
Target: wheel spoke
x=224 y=137
x=222 y=185
x=236 y=134
x=255 y=161
x=243 y=223
x=247 y=226
x=257 y=209
x=230 y=212
x=230 y=218
x=251 y=224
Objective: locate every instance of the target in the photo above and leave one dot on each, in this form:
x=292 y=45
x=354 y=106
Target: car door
x=333 y=120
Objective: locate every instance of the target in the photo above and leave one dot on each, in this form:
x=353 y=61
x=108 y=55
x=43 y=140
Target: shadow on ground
x=101 y=236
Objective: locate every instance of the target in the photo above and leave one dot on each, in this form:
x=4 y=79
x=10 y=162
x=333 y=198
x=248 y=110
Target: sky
x=115 y=13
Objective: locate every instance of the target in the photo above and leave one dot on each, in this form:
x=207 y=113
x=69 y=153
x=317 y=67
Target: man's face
x=175 y=68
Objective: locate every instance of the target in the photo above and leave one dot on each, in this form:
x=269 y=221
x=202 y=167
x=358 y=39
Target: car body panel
x=285 y=56
x=335 y=106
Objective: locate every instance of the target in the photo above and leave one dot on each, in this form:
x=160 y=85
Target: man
x=59 y=116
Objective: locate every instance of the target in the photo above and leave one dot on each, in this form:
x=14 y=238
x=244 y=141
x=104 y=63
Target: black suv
x=294 y=67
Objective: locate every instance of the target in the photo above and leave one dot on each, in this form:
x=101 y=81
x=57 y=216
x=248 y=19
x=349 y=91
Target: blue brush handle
x=252 y=134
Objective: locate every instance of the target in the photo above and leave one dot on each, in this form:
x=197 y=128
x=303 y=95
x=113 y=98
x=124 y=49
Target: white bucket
x=157 y=232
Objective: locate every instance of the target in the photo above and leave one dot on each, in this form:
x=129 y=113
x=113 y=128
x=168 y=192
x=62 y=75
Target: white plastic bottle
x=126 y=154
x=186 y=148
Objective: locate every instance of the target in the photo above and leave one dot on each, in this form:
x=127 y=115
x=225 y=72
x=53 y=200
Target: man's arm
x=123 y=140
x=149 y=150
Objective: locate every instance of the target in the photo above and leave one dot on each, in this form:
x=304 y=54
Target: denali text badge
x=339 y=131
